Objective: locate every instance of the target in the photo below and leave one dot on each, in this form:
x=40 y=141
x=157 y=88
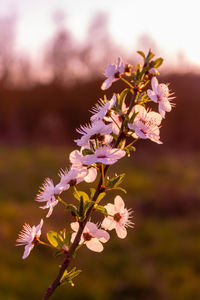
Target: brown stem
x=57 y=281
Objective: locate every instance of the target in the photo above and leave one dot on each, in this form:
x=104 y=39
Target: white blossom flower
x=76 y=158
x=72 y=177
x=113 y=73
x=28 y=237
x=92 y=236
x=161 y=95
x=118 y=219
x=102 y=108
x=146 y=124
x=96 y=131
x=104 y=155
x=47 y=194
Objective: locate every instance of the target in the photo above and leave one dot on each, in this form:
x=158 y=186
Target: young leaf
x=67 y=239
x=73 y=209
x=141 y=53
x=92 y=192
x=100 y=197
x=78 y=194
x=115 y=181
x=87 y=152
x=101 y=209
x=52 y=238
x=122 y=97
x=68 y=276
x=158 y=62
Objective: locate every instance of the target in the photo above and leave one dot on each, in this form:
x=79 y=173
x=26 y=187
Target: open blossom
x=92 y=236
x=146 y=124
x=72 y=177
x=113 y=73
x=160 y=94
x=96 y=131
x=102 y=108
x=104 y=155
x=47 y=194
x=28 y=237
x=76 y=159
x=118 y=219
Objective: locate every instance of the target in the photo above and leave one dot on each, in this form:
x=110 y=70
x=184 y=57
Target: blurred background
x=52 y=59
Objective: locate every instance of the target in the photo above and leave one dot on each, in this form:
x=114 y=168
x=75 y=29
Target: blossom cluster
x=115 y=125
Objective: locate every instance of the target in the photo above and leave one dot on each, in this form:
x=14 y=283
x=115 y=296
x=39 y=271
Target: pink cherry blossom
x=146 y=124
x=104 y=155
x=113 y=73
x=28 y=237
x=47 y=194
x=118 y=217
x=76 y=159
x=72 y=177
x=102 y=108
x=161 y=95
x=92 y=236
x=98 y=130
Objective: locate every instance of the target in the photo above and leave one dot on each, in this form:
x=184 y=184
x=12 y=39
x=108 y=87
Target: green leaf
x=129 y=149
x=100 y=197
x=88 y=205
x=122 y=97
x=73 y=209
x=51 y=238
x=58 y=253
x=115 y=181
x=78 y=194
x=68 y=276
x=141 y=53
x=158 y=62
x=119 y=189
x=92 y=192
x=81 y=207
x=67 y=239
x=101 y=209
x=87 y=152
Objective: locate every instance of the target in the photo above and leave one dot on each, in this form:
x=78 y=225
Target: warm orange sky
x=172 y=24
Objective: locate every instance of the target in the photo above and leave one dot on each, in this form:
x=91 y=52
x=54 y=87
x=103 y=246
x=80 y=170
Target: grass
x=159 y=259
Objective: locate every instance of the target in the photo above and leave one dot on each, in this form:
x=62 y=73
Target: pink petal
x=152 y=95
x=27 y=250
x=110 y=209
x=119 y=203
x=94 y=245
x=91 y=227
x=106 y=84
x=92 y=174
x=108 y=223
x=121 y=231
x=74 y=226
x=102 y=235
x=154 y=84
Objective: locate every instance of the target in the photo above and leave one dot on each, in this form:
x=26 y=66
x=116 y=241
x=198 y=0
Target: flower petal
x=121 y=231
x=94 y=245
x=119 y=203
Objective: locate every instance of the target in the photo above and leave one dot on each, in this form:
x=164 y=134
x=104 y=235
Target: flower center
x=72 y=182
x=117 y=75
x=87 y=236
x=143 y=131
x=101 y=156
x=117 y=217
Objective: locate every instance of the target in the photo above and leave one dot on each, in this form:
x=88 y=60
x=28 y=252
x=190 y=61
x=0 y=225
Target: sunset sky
x=173 y=24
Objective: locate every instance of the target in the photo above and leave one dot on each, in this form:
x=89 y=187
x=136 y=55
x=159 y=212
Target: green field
x=160 y=259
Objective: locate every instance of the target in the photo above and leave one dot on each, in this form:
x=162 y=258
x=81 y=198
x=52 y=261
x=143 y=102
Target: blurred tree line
x=45 y=102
